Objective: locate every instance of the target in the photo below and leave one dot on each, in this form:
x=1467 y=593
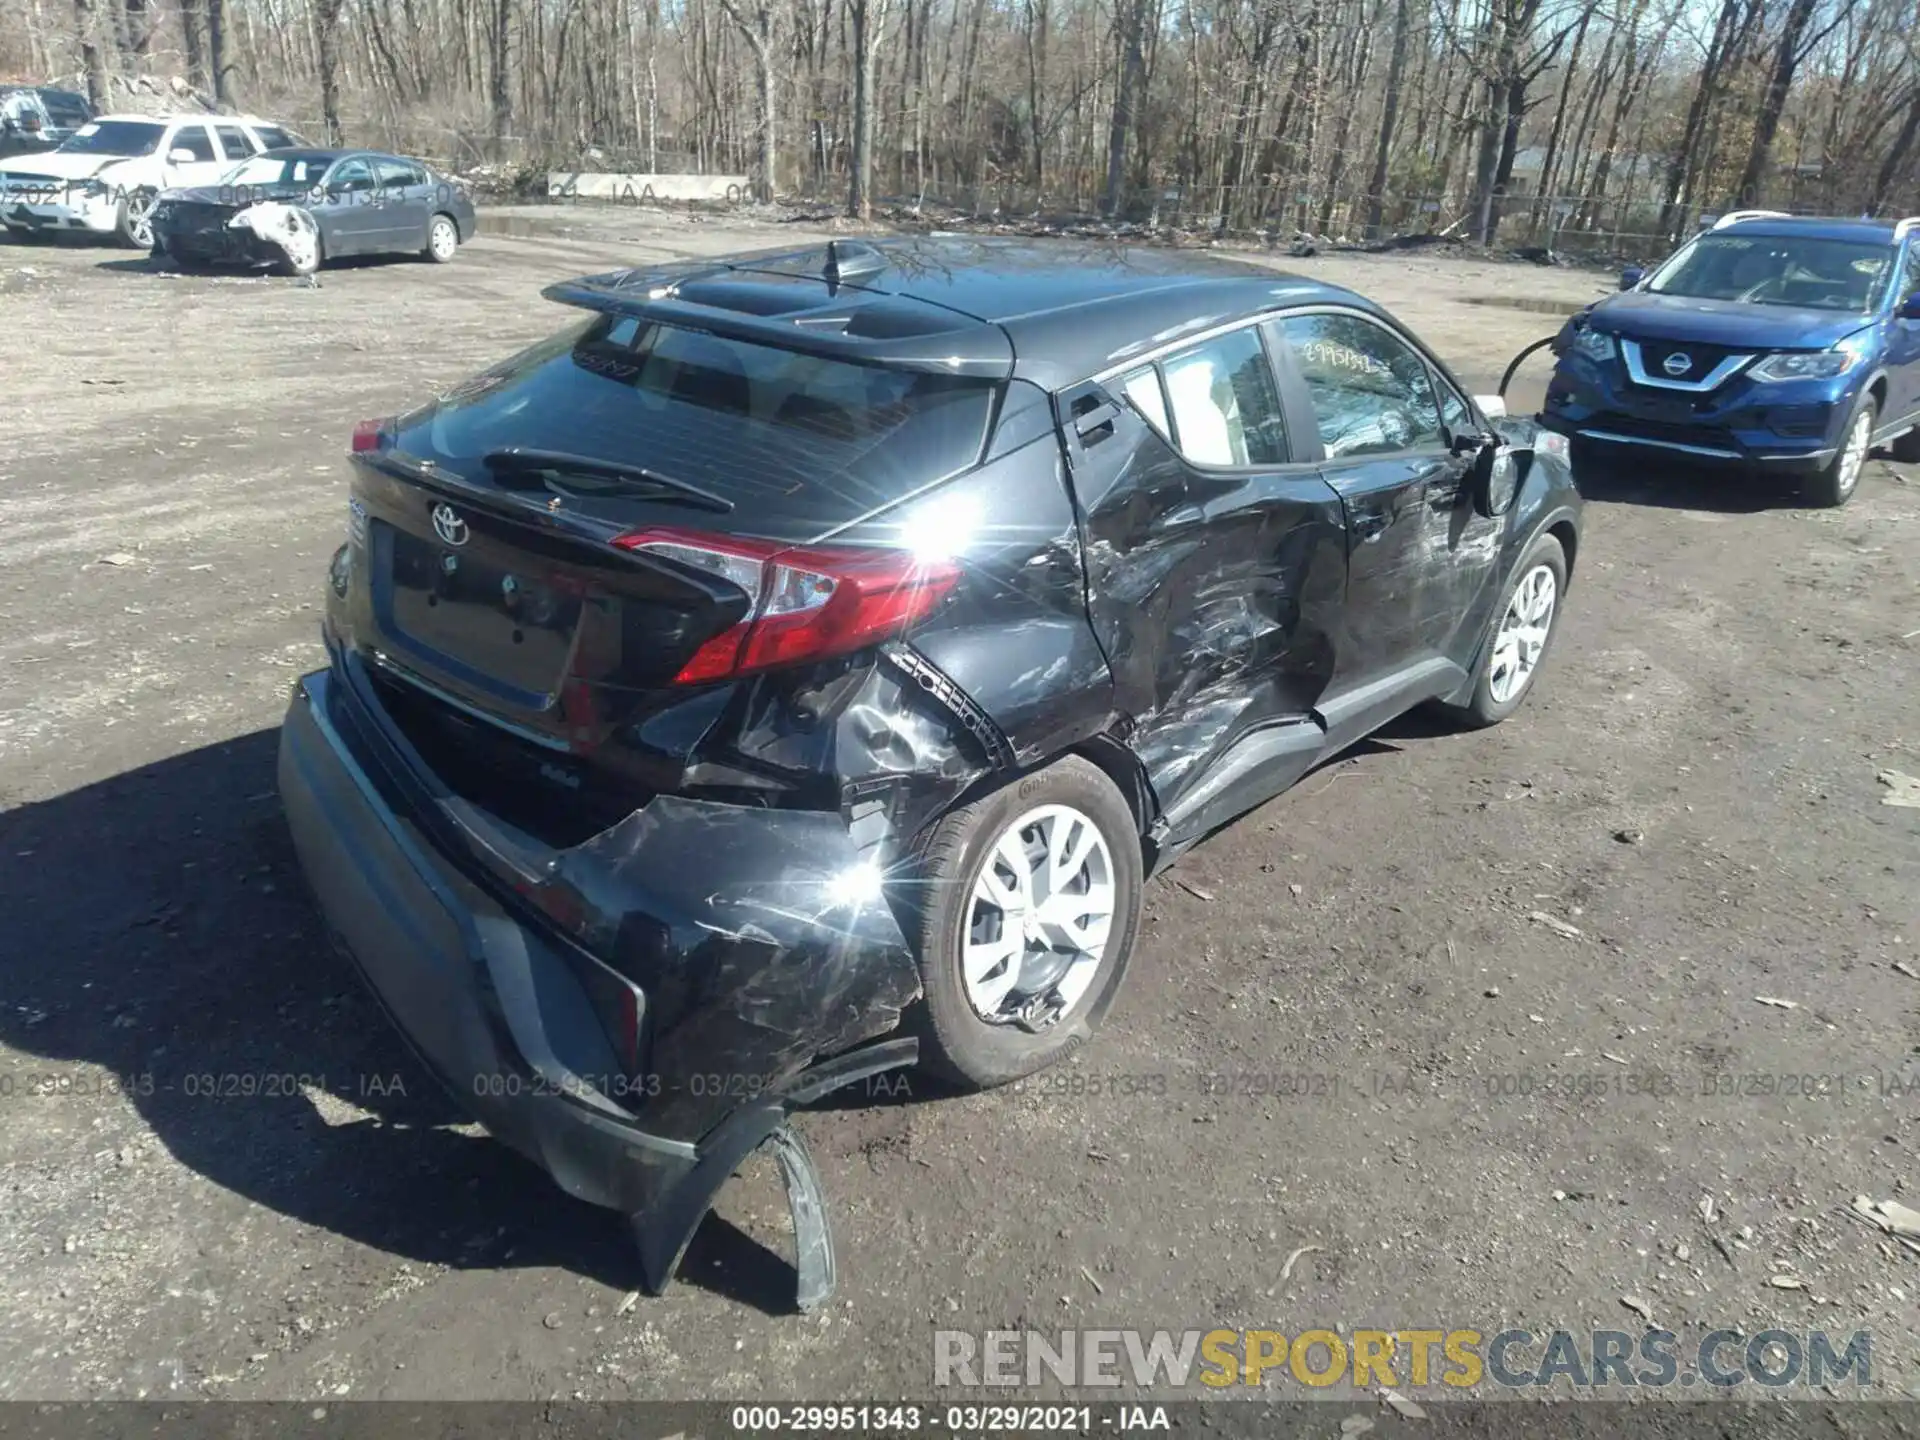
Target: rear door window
x=1142 y=389
x=397 y=174
x=273 y=137
x=194 y=139
x=234 y=141
x=1215 y=402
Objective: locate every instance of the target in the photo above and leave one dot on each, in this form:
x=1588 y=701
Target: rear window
x=739 y=418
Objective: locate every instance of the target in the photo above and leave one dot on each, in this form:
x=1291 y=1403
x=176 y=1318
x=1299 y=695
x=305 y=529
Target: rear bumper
x=501 y=1008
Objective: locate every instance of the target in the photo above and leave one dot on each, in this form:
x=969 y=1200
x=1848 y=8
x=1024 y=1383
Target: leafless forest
x=1517 y=121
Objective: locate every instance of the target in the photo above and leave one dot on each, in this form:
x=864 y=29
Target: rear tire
x=1834 y=485
x=1048 y=992
x=1513 y=652
x=443 y=239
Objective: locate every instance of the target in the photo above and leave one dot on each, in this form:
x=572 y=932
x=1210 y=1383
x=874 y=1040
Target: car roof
x=1070 y=308
x=1818 y=227
x=175 y=117
x=310 y=152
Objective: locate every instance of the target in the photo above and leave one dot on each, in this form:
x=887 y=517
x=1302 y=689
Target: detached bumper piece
x=637 y=1015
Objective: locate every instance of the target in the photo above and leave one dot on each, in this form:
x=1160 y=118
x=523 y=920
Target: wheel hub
x=1038 y=918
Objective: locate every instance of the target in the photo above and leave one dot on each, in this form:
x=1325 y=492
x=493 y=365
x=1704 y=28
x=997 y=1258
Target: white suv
x=105 y=177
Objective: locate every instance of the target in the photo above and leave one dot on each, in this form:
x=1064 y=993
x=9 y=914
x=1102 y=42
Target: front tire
x=1025 y=909
x=306 y=265
x=135 y=220
x=1518 y=640
x=1834 y=486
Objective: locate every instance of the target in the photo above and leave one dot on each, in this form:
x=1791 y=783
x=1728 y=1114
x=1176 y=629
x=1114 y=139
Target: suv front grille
x=1701 y=360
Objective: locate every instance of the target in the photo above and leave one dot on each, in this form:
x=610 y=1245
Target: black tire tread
x=937 y=864
x=1480 y=711
x=1822 y=488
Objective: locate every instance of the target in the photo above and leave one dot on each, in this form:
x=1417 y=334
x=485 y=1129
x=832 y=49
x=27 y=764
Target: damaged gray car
x=294 y=209
x=795 y=667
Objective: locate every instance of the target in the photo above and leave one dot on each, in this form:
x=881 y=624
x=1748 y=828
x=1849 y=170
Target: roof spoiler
x=870 y=329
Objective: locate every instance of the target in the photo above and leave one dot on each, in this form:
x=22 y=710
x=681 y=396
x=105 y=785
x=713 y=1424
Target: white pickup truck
x=105 y=178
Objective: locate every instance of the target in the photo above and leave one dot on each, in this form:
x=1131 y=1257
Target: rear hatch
x=564 y=548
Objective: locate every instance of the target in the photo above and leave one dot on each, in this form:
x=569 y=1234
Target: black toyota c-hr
x=794 y=668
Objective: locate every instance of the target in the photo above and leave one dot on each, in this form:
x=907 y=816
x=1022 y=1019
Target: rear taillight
x=370 y=435
x=804 y=602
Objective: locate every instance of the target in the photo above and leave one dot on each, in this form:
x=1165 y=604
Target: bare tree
x=869 y=25
x=327 y=47
x=1389 y=117
x=763 y=24
x=92 y=62
x=1617 y=120
x=1791 y=50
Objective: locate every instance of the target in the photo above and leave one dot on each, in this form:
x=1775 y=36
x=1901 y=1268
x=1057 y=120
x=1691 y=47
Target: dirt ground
x=1692 y=789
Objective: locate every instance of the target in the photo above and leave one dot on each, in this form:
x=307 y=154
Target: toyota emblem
x=448 y=525
x=1678 y=363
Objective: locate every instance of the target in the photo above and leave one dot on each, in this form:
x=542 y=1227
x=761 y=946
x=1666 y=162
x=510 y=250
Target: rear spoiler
x=860 y=326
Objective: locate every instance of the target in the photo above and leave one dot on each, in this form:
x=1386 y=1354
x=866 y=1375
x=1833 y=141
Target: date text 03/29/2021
x=958 y=1419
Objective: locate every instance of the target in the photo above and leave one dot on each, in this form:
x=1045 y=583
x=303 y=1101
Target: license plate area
x=492 y=627
x=1667 y=411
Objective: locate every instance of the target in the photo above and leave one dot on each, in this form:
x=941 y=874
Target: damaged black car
x=296 y=209
x=795 y=667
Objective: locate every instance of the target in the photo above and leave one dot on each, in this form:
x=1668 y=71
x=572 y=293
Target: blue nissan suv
x=1769 y=342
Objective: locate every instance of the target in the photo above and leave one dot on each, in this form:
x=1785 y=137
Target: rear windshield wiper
x=589 y=475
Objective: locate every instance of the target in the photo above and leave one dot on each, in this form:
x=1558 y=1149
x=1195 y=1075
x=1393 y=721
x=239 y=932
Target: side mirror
x=1496 y=480
x=1632 y=276
x=1910 y=307
x=180 y=155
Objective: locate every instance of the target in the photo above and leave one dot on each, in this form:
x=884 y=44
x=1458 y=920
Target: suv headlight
x=1817 y=365
x=1596 y=345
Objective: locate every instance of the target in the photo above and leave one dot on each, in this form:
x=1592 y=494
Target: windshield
x=276 y=170
x=115 y=137
x=1799 y=270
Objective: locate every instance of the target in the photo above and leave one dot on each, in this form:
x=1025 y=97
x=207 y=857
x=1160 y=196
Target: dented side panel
x=1016 y=637
x=1214 y=595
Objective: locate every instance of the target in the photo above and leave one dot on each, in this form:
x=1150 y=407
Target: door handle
x=1372 y=525
x=1088 y=423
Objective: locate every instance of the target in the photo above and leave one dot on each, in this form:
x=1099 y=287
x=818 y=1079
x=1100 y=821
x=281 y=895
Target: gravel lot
x=1690 y=797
